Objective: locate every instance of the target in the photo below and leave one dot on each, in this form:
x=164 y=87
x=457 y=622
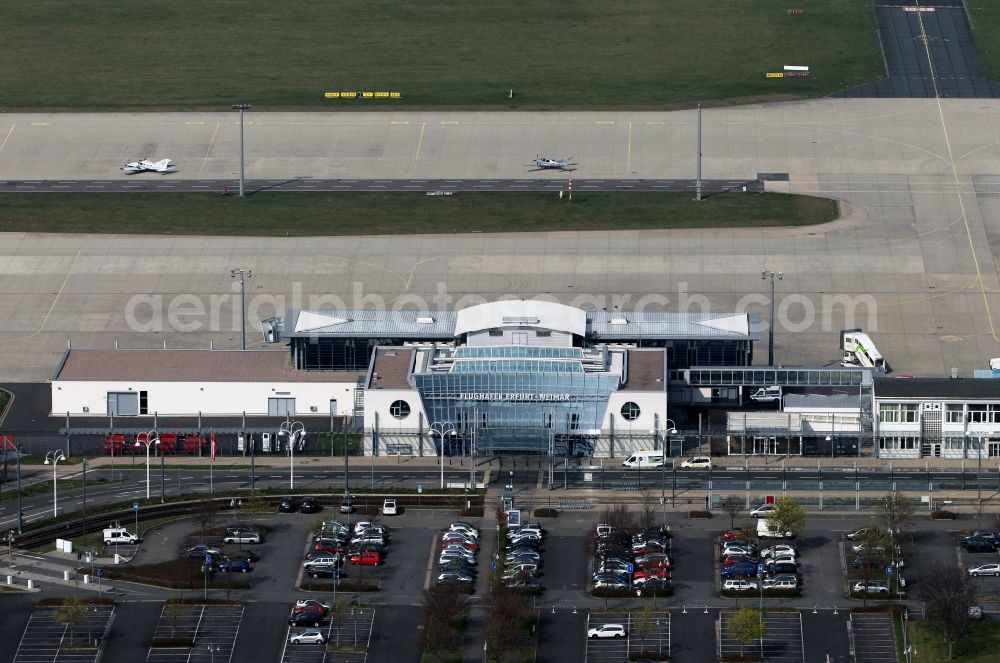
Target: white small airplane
x=545 y=163
x=162 y=166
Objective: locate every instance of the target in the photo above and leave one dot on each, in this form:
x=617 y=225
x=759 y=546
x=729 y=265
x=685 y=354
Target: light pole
x=86 y=465
x=768 y=275
x=149 y=440
x=242 y=274
x=241 y=108
x=211 y=650
x=442 y=428
x=52 y=458
x=656 y=431
x=291 y=428
x=236 y=504
x=979 y=473
x=20 y=513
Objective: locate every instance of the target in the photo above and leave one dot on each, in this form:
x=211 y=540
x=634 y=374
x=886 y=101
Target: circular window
x=630 y=411
x=400 y=409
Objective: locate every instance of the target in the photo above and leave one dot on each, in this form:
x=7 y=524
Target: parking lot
x=45 y=639
x=212 y=628
x=873 y=638
x=613 y=650
x=782 y=641
x=350 y=629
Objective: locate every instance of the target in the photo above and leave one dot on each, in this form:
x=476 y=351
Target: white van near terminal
x=641 y=459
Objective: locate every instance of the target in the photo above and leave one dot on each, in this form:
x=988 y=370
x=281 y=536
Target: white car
x=608 y=631
x=738 y=550
x=985 y=570
x=699 y=463
x=763 y=511
x=389 y=508
x=780 y=550
x=738 y=585
x=310 y=637
x=871 y=588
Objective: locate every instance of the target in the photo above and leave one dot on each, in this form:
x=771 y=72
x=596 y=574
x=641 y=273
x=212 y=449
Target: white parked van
x=641 y=459
x=765 y=394
x=119 y=535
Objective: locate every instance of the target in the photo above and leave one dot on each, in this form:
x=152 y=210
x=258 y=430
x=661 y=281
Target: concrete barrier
x=31 y=583
x=86 y=579
x=10 y=580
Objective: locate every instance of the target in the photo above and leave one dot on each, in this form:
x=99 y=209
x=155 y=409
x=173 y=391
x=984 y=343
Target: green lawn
x=979 y=646
x=313 y=214
x=135 y=54
x=985 y=15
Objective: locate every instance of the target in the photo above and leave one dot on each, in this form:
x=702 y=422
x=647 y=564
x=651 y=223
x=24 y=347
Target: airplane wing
x=163 y=166
x=132 y=168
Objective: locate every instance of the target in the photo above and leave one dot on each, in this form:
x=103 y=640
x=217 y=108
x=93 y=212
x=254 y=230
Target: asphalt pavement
x=152 y=182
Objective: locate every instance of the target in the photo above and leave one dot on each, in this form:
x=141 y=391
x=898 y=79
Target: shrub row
x=546 y=512
x=768 y=594
x=618 y=593
x=172 y=642
x=699 y=514
x=942 y=514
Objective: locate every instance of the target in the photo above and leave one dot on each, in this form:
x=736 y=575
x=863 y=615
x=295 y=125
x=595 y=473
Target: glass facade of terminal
x=521 y=400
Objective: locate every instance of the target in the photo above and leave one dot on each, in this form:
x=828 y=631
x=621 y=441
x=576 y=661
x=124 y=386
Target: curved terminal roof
x=521 y=313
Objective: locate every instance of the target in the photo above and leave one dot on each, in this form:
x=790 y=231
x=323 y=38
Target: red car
x=651 y=573
x=367 y=558
x=729 y=560
x=647 y=548
x=731 y=534
x=327 y=547
x=311 y=605
x=468 y=545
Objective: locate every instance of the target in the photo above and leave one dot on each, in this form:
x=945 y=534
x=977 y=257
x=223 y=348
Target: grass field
x=979 y=646
x=315 y=214
x=135 y=54
x=985 y=15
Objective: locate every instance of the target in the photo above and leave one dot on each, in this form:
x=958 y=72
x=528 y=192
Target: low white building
x=127 y=383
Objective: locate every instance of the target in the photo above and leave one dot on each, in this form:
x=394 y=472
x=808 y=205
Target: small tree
x=254 y=505
x=642 y=624
x=71 y=613
x=619 y=517
x=947 y=596
x=873 y=541
x=206 y=514
x=894 y=513
x=747 y=626
x=506 y=616
x=444 y=611
x=732 y=505
x=788 y=516
x=648 y=514
x=174 y=612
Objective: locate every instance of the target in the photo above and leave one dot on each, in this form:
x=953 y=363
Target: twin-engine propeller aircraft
x=162 y=166
x=546 y=163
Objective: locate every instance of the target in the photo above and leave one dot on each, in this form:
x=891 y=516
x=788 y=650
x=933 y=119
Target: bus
x=859 y=350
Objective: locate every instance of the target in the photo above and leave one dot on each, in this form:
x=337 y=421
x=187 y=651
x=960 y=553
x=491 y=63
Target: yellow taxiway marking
x=39 y=124
x=420 y=140
x=628 y=155
x=9 y=132
x=54 y=301
x=400 y=122
x=953 y=162
x=449 y=121
x=194 y=122
x=211 y=144
x=604 y=122
x=654 y=122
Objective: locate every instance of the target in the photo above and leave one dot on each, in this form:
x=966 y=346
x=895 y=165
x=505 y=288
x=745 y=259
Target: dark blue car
x=740 y=570
x=231 y=565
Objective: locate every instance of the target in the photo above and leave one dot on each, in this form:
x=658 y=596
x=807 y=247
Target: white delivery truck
x=118 y=534
x=764 y=531
x=642 y=459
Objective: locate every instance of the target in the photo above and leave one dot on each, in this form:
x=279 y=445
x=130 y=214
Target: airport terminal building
x=532 y=377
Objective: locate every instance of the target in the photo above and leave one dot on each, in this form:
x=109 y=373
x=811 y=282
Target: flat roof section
x=938 y=388
x=645 y=371
x=391 y=368
x=188 y=366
